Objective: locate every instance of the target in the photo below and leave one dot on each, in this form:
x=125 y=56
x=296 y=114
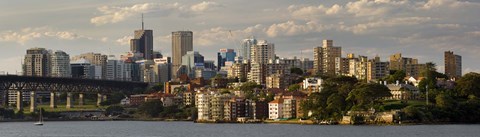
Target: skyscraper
x=225 y=55
x=60 y=64
x=182 y=41
x=324 y=57
x=453 y=65
x=36 y=63
x=162 y=69
x=96 y=59
x=246 y=47
x=143 y=42
x=262 y=52
x=191 y=61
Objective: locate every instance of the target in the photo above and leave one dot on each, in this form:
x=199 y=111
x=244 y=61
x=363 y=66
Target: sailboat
x=40 y=120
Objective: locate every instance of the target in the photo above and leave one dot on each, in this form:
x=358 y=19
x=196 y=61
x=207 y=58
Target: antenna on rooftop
x=142 y=22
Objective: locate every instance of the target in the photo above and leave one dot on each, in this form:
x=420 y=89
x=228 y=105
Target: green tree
x=396 y=75
x=116 y=97
x=179 y=90
x=366 y=95
x=469 y=85
x=444 y=101
x=294 y=87
x=7 y=113
x=225 y=91
x=297 y=71
x=249 y=86
x=413 y=113
x=151 y=108
x=336 y=104
x=114 y=110
x=155 y=88
x=343 y=84
x=430 y=75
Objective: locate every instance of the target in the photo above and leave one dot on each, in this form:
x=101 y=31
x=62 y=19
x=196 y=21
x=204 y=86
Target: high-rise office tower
x=83 y=69
x=453 y=65
x=182 y=41
x=162 y=69
x=143 y=43
x=324 y=57
x=60 y=64
x=96 y=59
x=246 y=47
x=191 y=61
x=225 y=55
x=115 y=69
x=36 y=63
x=262 y=52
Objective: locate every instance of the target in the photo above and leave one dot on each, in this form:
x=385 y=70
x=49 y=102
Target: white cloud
x=223 y=36
x=125 y=40
x=204 y=6
x=115 y=14
x=288 y=28
x=311 y=12
x=28 y=34
x=474 y=33
x=448 y=26
x=395 y=22
x=62 y=35
x=104 y=39
x=365 y=8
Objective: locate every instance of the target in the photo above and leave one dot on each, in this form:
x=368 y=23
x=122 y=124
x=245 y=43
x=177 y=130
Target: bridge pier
x=69 y=100
x=19 y=100
x=99 y=99
x=53 y=100
x=33 y=101
x=104 y=98
x=81 y=101
x=5 y=98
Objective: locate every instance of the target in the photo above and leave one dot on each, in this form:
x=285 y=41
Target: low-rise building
x=276 y=81
x=312 y=85
x=403 y=91
x=275 y=109
x=138 y=99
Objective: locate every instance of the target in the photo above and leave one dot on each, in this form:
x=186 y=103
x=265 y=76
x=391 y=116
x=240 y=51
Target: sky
x=421 y=29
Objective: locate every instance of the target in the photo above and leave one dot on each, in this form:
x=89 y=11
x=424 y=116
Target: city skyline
x=417 y=29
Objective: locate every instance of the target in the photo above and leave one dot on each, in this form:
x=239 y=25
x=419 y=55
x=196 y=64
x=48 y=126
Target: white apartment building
x=275 y=109
x=358 y=67
x=202 y=102
x=312 y=84
x=262 y=52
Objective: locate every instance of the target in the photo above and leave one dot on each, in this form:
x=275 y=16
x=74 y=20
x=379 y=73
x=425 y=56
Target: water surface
x=189 y=129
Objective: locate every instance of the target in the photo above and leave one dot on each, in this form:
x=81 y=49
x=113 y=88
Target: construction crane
x=233 y=40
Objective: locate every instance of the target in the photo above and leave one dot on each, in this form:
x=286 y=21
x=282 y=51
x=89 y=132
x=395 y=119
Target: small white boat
x=40 y=120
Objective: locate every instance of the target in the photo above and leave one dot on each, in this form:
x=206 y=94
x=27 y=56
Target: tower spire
x=142 y=22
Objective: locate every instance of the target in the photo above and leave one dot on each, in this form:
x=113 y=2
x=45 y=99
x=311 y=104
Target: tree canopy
x=469 y=84
x=297 y=71
x=366 y=95
x=151 y=108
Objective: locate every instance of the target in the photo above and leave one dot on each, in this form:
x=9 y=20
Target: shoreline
x=305 y=122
